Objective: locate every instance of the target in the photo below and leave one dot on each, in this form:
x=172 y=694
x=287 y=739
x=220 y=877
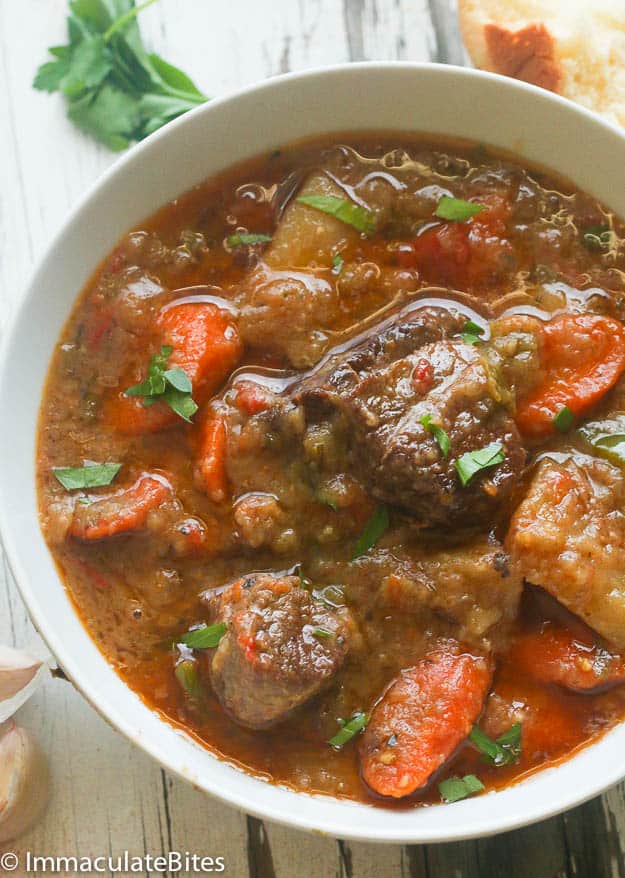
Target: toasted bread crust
x=528 y=54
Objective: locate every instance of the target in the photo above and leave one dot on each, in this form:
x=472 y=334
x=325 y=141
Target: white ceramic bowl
x=535 y=125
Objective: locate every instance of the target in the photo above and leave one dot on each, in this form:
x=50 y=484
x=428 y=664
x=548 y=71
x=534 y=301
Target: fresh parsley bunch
x=116 y=91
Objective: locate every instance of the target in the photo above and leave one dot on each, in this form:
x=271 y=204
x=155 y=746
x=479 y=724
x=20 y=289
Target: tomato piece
x=252 y=398
x=206 y=345
x=212 y=463
x=122 y=512
x=468 y=254
x=583 y=356
x=556 y=655
x=422 y=718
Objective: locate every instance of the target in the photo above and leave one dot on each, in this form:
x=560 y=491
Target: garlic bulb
x=20 y=675
x=24 y=781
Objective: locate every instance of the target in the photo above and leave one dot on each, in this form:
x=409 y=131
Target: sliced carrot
x=212 y=463
x=556 y=655
x=121 y=512
x=584 y=355
x=422 y=718
x=206 y=345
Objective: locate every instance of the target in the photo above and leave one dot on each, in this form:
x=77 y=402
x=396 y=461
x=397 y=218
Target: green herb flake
x=342 y=209
x=337 y=264
x=472 y=332
x=94 y=475
x=245 y=240
x=505 y=750
x=597 y=237
x=348 y=729
x=206 y=637
x=456 y=788
x=322 y=633
x=115 y=90
x=373 y=530
x=171 y=386
x=188 y=678
x=444 y=443
x=473 y=462
x=563 y=421
x=457 y=210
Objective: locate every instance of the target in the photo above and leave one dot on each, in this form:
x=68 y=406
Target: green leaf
x=505 y=750
x=50 y=75
x=90 y=65
x=474 y=462
x=342 y=209
x=606 y=437
x=206 y=637
x=93 y=475
x=457 y=210
x=93 y=13
x=444 y=443
x=188 y=678
x=157 y=110
x=597 y=237
x=246 y=239
x=337 y=264
x=322 y=633
x=373 y=530
x=175 y=78
x=456 y=788
x=352 y=727
x=472 y=332
x=563 y=421
x=171 y=386
x=109 y=116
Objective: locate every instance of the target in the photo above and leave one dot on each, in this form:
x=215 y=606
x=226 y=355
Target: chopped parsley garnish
x=456 y=788
x=457 y=210
x=93 y=475
x=322 y=633
x=172 y=386
x=337 y=264
x=342 y=209
x=246 y=239
x=563 y=421
x=348 y=729
x=505 y=750
x=115 y=90
x=597 y=237
x=439 y=434
x=206 y=637
x=373 y=530
x=472 y=332
x=473 y=462
x=188 y=678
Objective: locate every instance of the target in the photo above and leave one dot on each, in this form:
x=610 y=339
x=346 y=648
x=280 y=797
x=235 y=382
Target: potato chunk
x=568 y=536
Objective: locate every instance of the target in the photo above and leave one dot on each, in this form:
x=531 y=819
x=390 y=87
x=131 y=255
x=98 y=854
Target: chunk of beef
x=281 y=648
x=385 y=385
x=568 y=536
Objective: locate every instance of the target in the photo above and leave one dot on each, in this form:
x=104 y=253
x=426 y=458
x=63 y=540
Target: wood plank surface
x=107 y=796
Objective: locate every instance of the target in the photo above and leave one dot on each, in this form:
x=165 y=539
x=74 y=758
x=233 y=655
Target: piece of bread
x=573 y=47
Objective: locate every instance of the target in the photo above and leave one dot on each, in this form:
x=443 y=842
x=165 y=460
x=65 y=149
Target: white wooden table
x=107 y=796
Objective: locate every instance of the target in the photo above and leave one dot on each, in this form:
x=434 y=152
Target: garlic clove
x=20 y=675
x=24 y=781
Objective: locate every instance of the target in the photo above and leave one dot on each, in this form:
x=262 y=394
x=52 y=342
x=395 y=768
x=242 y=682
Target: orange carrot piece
x=556 y=655
x=212 y=464
x=119 y=513
x=422 y=718
x=584 y=355
x=206 y=345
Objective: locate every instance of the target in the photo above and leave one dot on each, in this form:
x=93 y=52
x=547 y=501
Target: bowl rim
x=286 y=814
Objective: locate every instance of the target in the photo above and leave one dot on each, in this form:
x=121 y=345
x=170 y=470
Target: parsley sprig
x=115 y=90
x=171 y=386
